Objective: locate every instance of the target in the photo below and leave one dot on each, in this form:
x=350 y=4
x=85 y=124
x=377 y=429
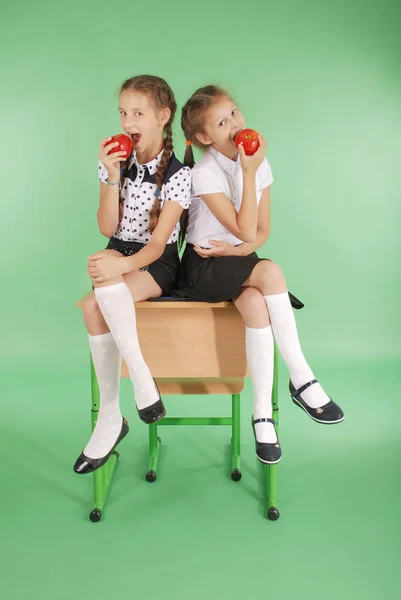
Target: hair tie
x=188 y=142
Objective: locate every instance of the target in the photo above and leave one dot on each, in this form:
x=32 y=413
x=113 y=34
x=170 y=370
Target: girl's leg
x=115 y=299
x=260 y=356
x=269 y=279
x=107 y=363
x=106 y=358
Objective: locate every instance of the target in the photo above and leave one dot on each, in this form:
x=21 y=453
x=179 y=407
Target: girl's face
x=140 y=120
x=222 y=122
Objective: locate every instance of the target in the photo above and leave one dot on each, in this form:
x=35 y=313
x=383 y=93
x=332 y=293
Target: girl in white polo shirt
x=140 y=207
x=228 y=219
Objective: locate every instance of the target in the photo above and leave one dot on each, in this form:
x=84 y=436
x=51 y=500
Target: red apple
x=124 y=144
x=249 y=139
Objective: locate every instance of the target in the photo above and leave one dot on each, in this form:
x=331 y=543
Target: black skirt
x=216 y=279
x=164 y=270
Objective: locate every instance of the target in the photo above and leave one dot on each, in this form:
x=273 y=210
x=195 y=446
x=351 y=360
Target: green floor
x=195 y=534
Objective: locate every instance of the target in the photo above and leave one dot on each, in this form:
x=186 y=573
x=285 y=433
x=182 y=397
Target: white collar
x=151 y=165
x=228 y=165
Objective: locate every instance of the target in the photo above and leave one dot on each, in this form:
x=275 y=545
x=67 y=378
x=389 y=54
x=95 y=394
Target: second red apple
x=249 y=139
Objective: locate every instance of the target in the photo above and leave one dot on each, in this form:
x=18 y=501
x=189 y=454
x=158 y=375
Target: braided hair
x=192 y=118
x=162 y=96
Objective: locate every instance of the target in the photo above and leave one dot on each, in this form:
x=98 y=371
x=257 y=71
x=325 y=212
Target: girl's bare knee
x=272 y=270
x=271 y=277
x=249 y=297
x=252 y=306
x=90 y=305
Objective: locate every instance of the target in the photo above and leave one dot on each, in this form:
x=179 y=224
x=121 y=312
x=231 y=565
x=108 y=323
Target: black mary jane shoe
x=84 y=464
x=154 y=412
x=328 y=414
x=269 y=454
x=295 y=302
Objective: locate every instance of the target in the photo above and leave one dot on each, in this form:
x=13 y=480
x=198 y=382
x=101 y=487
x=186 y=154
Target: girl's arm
x=104 y=266
x=244 y=223
x=262 y=234
x=263 y=227
x=108 y=214
x=168 y=218
x=241 y=224
x=153 y=250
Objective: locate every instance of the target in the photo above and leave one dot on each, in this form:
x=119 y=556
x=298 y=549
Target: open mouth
x=135 y=137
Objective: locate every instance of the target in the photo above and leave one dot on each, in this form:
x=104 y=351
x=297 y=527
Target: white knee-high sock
x=260 y=358
x=118 y=310
x=285 y=333
x=107 y=362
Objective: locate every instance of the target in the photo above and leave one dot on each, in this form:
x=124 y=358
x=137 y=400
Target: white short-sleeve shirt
x=215 y=173
x=138 y=193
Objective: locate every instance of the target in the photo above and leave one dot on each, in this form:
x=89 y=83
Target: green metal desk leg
x=154 y=449
x=271 y=472
x=101 y=477
x=235 y=438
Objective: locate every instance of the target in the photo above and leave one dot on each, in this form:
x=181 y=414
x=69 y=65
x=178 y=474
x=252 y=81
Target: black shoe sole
x=265 y=462
x=295 y=400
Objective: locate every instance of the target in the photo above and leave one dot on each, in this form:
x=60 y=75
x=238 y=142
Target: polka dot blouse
x=138 y=192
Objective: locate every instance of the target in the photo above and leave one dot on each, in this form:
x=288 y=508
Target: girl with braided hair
x=228 y=220
x=142 y=198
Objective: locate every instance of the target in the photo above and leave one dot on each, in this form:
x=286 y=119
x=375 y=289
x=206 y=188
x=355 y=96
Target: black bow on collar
x=132 y=173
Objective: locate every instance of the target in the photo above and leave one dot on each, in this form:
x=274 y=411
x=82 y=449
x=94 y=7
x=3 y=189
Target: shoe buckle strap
x=304 y=387
x=265 y=420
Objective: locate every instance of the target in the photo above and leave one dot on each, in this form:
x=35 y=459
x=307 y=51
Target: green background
x=322 y=80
